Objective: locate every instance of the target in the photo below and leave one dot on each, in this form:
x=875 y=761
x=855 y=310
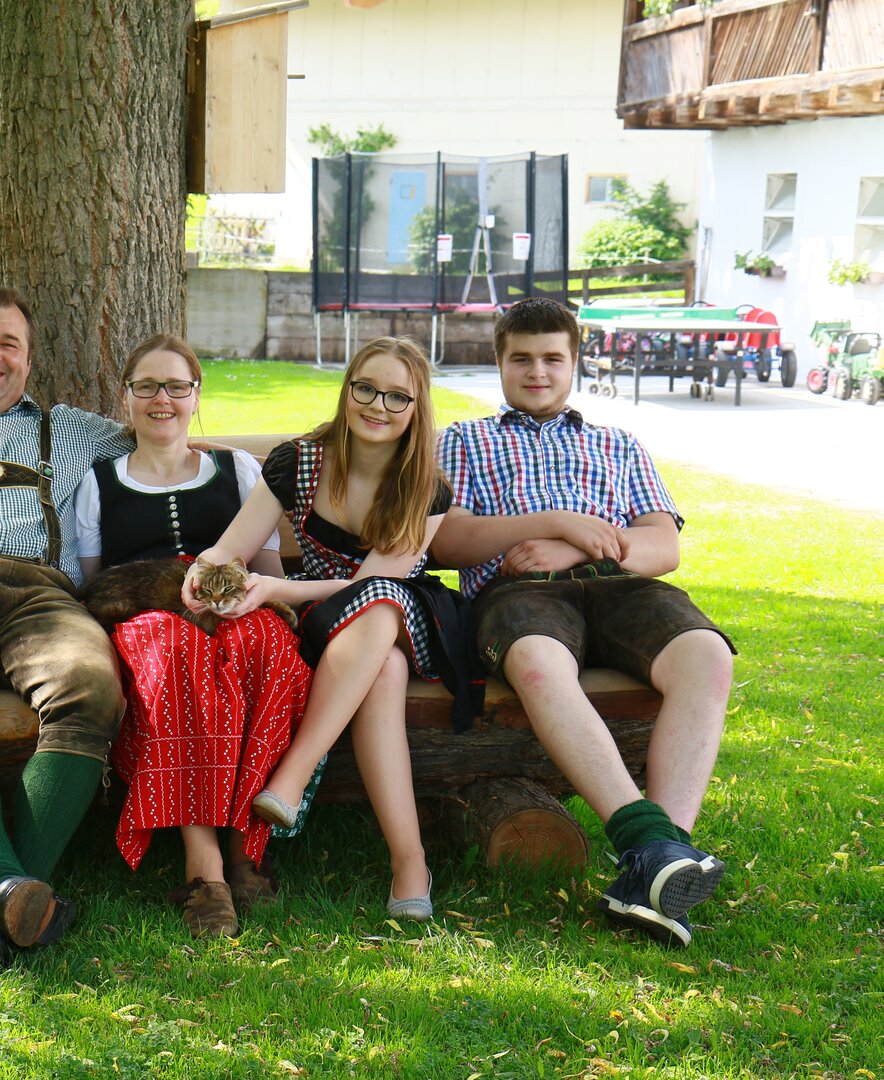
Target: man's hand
x=594 y=536
x=543 y=555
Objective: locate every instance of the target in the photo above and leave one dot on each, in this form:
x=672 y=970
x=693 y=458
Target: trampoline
x=436 y=234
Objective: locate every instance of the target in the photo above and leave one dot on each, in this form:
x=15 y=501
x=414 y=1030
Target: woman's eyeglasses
x=148 y=388
x=393 y=401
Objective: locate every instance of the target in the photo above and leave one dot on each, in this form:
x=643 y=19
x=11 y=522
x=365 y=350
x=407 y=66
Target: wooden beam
x=258 y=12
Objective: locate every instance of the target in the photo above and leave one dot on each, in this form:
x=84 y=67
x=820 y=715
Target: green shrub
x=619 y=242
x=649 y=229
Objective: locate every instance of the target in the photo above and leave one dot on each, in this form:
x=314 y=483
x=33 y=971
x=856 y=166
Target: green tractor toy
x=854 y=363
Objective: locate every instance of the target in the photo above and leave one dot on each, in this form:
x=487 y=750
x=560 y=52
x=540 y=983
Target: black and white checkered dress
x=292 y=473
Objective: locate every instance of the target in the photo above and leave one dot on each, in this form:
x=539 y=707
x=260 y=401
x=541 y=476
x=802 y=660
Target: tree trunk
x=92 y=187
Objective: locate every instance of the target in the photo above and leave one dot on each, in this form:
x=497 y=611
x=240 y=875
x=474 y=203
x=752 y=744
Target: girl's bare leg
x=382 y=754
x=346 y=673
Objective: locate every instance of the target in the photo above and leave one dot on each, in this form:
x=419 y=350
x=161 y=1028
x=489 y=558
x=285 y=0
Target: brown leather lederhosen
x=14 y=475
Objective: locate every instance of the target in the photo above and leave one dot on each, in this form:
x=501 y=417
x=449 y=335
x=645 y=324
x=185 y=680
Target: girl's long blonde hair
x=398 y=516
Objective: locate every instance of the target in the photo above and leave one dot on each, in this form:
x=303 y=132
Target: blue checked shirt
x=511 y=464
x=79 y=439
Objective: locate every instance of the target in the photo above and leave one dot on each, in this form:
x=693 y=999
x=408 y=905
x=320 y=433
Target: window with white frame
x=869 y=236
x=599 y=187
x=779 y=213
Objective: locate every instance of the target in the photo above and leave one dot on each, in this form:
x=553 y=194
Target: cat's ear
x=240 y=562
x=203 y=564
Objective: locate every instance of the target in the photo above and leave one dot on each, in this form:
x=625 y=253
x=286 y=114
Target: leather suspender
x=14 y=475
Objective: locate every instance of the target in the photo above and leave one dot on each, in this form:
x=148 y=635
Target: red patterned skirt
x=208 y=718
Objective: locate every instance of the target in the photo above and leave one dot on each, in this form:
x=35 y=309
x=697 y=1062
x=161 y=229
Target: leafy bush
x=649 y=229
x=619 y=242
x=330 y=143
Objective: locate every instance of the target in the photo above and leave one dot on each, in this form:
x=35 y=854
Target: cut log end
x=536 y=837
x=520 y=821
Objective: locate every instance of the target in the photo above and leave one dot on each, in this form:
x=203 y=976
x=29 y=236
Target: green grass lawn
x=520 y=977
x=252 y=397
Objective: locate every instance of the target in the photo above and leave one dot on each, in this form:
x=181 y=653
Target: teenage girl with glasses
x=366 y=499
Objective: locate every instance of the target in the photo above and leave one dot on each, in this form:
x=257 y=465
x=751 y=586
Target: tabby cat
x=121 y=592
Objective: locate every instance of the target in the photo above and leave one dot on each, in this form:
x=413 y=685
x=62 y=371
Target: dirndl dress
x=437 y=620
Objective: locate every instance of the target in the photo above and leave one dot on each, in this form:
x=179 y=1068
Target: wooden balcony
x=742 y=62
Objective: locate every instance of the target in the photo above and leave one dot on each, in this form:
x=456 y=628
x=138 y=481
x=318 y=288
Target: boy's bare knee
x=535 y=661
x=701 y=651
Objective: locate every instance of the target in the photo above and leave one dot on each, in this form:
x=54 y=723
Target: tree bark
x=92 y=182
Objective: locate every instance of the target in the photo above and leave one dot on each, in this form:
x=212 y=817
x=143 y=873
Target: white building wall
x=475 y=77
x=829 y=156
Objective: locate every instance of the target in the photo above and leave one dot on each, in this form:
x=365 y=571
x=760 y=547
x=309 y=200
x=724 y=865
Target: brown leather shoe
x=251 y=884
x=26 y=909
x=208 y=908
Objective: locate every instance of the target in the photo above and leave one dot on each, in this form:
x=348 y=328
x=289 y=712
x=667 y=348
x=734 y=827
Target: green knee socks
x=51 y=798
x=9 y=864
x=639 y=823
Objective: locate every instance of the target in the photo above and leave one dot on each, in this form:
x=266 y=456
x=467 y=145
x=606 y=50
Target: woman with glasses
x=208 y=717
x=366 y=499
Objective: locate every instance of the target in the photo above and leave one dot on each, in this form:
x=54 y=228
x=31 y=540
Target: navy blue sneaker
x=667 y=876
x=676 y=933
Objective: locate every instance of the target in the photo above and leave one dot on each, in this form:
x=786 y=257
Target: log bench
x=494 y=781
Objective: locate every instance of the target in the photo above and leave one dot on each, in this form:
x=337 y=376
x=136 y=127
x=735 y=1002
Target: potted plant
x=759 y=264
x=842 y=272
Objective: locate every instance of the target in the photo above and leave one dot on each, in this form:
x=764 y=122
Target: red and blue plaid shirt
x=511 y=464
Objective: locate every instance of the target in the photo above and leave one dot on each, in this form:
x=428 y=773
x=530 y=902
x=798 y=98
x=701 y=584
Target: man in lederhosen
x=52 y=652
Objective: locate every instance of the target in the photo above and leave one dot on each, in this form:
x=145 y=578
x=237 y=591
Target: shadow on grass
x=520 y=976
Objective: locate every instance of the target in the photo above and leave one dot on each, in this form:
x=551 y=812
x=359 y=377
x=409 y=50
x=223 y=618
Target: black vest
x=162 y=525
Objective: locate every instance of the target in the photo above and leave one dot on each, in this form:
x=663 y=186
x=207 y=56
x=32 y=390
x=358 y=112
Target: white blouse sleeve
x=88 y=511
x=247 y=473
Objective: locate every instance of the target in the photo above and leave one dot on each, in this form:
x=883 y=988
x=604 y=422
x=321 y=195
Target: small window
x=869 y=237
x=779 y=213
x=599 y=188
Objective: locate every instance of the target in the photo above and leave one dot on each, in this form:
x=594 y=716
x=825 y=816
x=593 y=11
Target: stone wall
x=266 y=313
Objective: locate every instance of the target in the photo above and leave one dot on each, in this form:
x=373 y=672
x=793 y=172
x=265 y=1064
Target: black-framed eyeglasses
x=149 y=388
x=392 y=400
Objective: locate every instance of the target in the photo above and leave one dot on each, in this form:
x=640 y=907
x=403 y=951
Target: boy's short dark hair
x=536 y=315
x=10 y=298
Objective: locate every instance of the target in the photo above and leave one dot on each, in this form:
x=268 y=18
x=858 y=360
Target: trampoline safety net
x=437 y=232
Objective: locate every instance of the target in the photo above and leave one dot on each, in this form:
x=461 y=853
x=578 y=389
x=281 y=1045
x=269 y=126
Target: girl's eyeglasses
x=149 y=388
x=393 y=401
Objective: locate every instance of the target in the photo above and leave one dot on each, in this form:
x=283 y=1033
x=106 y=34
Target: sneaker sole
x=683 y=884
x=637 y=917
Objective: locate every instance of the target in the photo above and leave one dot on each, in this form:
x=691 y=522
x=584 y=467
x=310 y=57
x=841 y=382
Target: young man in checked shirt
x=561 y=529
x=52 y=652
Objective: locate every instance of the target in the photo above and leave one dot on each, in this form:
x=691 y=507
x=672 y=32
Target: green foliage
x=842 y=272
x=197 y=205
x=366 y=140
x=751 y=263
x=657 y=209
x=649 y=229
x=619 y=242
x=460 y=220
x=664 y=7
